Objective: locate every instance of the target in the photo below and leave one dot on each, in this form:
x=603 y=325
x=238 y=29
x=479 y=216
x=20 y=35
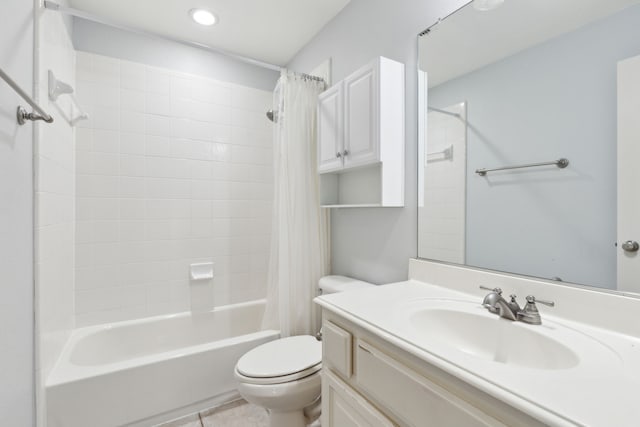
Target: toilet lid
x=281 y=357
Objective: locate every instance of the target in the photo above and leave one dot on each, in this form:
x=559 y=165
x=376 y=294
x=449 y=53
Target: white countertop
x=601 y=391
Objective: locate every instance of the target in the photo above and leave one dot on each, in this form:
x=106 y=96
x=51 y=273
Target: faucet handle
x=513 y=304
x=532 y=300
x=496 y=290
x=530 y=313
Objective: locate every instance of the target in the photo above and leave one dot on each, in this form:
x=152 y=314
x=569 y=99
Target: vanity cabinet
x=367 y=381
x=343 y=407
x=361 y=138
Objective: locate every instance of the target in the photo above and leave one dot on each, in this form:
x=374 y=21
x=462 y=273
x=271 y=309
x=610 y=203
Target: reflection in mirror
x=515 y=87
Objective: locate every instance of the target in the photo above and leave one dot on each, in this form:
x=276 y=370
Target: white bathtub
x=142 y=372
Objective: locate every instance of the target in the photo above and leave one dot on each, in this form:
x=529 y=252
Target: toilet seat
x=281 y=361
x=278 y=380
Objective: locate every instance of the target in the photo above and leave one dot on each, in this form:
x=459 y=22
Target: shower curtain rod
x=111 y=23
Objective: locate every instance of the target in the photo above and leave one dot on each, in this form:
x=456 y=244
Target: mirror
x=543 y=95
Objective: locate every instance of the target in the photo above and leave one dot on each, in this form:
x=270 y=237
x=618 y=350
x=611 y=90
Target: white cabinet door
x=361 y=118
x=330 y=134
x=343 y=407
x=410 y=397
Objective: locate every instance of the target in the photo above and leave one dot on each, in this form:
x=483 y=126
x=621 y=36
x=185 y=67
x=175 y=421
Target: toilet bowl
x=284 y=376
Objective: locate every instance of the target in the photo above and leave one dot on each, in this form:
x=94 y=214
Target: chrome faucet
x=495 y=303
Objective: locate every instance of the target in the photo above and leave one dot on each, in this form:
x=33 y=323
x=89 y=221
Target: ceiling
x=272 y=31
x=469 y=39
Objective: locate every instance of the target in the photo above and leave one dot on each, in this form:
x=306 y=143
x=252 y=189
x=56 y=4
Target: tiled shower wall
x=442 y=212
x=171 y=169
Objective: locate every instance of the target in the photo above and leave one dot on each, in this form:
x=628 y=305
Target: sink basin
x=463 y=332
x=470 y=329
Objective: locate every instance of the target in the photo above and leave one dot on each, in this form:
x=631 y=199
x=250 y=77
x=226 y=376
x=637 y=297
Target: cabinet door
x=411 y=398
x=330 y=130
x=361 y=118
x=343 y=407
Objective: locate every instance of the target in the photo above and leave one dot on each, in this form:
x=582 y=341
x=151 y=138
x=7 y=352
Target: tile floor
x=239 y=413
x=234 y=414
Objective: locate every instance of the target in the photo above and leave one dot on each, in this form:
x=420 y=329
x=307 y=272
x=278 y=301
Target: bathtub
x=143 y=372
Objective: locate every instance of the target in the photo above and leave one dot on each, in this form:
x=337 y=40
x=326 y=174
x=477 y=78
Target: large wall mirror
x=530 y=140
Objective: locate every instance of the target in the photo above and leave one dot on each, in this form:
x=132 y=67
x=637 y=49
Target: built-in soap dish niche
x=201 y=271
x=58 y=88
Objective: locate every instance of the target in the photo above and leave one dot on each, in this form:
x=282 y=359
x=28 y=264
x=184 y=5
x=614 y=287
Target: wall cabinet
x=382 y=385
x=361 y=138
x=330 y=139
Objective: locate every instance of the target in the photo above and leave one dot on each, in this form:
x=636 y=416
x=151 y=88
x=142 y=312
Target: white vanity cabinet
x=361 y=138
x=367 y=381
x=343 y=407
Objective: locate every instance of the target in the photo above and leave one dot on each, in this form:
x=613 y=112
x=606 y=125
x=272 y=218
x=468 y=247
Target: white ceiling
x=272 y=31
x=469 y=39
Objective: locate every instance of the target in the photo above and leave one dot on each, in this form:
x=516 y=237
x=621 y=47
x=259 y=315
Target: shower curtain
x=300 y=232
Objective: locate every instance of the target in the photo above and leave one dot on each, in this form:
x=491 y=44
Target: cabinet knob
x=345 y=153
x=338 y=155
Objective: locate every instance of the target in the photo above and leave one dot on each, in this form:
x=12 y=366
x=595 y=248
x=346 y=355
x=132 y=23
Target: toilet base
x=287 y=419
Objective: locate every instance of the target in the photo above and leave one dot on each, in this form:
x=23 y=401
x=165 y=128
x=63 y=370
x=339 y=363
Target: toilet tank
x=334 y=284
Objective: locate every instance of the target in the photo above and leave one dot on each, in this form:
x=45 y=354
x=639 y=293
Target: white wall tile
x=131 y=165
x=181 y=87
x=106 y=70
x=132 y=100
x=104 y=163
x=105 y=141
x=105 y=118
x=158 y=104
x=158 y=125
x=132 y=75
x=158 y=81
x=131 y=187
x=132 y=122
x=172 y=169
x=157 y=146
x=132 y=143
x=105 y=96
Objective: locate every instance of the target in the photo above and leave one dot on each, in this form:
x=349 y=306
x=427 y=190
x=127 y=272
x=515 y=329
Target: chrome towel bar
x=22 y=114
x=561 y=163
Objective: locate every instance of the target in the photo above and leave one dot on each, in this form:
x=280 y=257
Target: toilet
x=283 y=376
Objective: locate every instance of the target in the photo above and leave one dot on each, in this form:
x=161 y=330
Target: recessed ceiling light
x=203 y=17
x=486 y=5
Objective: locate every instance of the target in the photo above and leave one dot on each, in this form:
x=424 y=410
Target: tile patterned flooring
x=234 y=414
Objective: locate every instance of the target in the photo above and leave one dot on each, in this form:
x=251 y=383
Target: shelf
x=370 y=205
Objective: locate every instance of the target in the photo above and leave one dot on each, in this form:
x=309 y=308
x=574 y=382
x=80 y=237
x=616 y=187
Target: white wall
x=172 y=169
x=375 y=244
x=16 y=220
x=104 y=40
x=55 y=201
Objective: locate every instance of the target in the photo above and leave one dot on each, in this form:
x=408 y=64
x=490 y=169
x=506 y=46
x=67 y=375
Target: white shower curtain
x=299 y=240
